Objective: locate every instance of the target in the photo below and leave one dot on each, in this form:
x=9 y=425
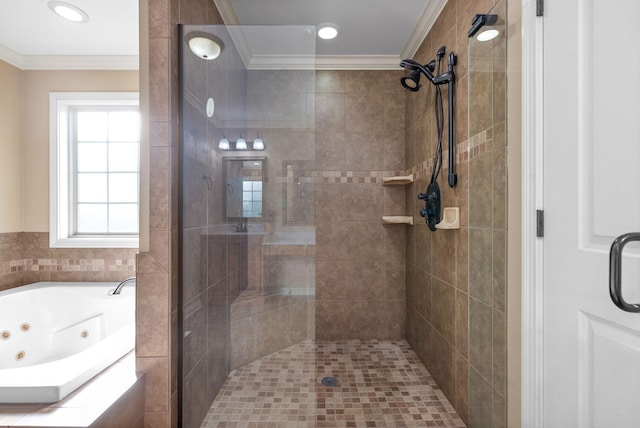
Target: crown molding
x=241 y=43
x=357 y=62
x=331 y=62
x=425 y=22
x=11 y=57
x=227 y=12
x=69 y=62
x=80 y=62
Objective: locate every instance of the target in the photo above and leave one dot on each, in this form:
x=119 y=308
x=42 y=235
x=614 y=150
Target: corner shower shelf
x=397 y=219
x=450 y=219
x=399 y=180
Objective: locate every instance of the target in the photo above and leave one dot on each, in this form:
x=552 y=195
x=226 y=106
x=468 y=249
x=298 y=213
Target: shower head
x=411 y=81
x=412 y=65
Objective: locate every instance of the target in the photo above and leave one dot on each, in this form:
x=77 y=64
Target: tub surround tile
x=25 y=257
x=159 y=189
x=156 y=419
x=152 y=326
x=157 y=382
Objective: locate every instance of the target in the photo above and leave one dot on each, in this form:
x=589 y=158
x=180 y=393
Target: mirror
x=244 y=195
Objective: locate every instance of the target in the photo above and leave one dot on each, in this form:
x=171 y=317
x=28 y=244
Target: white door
x=591 y=195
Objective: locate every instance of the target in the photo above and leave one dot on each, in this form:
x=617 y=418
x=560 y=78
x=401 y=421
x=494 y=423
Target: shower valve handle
x=428 y=196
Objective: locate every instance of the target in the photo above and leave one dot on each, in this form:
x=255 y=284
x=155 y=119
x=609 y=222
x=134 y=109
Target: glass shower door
x=247 y=244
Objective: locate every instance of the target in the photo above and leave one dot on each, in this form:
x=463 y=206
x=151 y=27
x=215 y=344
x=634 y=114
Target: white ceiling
x=373 y=33
x=30 y=34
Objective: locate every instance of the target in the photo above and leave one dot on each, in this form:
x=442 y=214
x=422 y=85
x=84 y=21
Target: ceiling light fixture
x=487 y=35
x=327 y=31
x=68 y=11
x=205 y=46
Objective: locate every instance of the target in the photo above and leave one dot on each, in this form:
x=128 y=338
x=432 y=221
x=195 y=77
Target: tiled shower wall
x=446 y=268
x=360 y=269
x=488 y=228
x=25 y=258
x=157 y=269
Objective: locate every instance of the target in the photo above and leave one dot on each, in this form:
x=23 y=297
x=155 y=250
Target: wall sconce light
x=258 y=144
x=224 y=143
x=241 y=144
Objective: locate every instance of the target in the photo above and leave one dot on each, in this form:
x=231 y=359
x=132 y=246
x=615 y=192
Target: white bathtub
x=56 y=336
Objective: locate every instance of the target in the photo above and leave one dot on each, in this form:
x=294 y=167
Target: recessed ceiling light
x=68 y=11
x=487 y=35
x=327 y=31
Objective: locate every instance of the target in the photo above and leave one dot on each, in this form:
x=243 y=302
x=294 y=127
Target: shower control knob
x=424 y=212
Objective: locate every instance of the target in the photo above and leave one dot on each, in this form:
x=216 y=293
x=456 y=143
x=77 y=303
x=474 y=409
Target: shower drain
x=330 y=381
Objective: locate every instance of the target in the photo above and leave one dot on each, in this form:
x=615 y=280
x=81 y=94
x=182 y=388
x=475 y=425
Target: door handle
x=615 y=271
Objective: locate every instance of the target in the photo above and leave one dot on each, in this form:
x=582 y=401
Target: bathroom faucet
x=242 y=227
x=118 y=289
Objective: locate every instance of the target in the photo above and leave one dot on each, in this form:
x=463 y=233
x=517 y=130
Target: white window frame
x=60 y=170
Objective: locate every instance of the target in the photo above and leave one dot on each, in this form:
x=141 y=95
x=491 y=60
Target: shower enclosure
x=247 y=214
x=267 y=164
x=487 y=355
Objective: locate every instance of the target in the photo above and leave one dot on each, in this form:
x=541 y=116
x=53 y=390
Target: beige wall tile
x=443 y=308
x=461 y=399
x=481 y=264
x=462 y=323
x=152 y=315
x=159 y=79
x=365 y=280
x=156 y=371
x=480 y=337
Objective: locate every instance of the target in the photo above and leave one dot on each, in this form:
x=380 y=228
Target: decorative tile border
x=337 y=177
x=67 y=265
x=23 y=243
x=480 y=143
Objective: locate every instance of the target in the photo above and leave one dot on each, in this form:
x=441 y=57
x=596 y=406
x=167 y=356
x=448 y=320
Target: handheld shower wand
x=411 y=81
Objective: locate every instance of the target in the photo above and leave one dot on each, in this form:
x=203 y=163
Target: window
x=94 y=169
x=252 y=199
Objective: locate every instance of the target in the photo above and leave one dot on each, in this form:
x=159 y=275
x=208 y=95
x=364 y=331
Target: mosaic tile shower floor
x=382 y=384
